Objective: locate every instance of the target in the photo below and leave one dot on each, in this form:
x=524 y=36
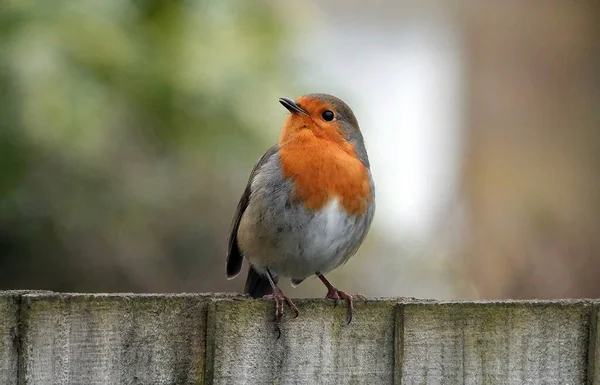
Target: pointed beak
x=292 y=106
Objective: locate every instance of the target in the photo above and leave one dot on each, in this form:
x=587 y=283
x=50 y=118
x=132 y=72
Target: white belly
x=325 y=234
x=319 y=245
x=297 y=243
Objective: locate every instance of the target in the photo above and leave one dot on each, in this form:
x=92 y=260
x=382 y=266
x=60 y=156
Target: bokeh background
x=128 y=130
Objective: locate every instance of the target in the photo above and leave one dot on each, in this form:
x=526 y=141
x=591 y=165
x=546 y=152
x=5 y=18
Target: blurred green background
x=128 y=130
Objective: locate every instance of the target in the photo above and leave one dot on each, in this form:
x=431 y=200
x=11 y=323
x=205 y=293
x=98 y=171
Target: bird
x=308 y=204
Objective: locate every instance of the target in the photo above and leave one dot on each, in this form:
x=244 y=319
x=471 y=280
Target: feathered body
x=309 y=202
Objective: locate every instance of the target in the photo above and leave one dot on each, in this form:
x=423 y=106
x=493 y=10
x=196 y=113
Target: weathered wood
x=194 y=339
x=500 y=343
x=9 y=310
x=113 y=339
x=594 y=348
x=315 y=348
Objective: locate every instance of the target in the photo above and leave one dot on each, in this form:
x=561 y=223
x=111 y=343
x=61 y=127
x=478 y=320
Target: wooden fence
x=52 y=338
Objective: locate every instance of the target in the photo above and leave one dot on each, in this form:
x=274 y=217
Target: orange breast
x=323 y=169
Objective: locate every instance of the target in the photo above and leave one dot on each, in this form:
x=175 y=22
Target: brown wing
x=234 y=255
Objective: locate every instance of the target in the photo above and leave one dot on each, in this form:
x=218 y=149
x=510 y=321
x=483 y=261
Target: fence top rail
x=222 y=338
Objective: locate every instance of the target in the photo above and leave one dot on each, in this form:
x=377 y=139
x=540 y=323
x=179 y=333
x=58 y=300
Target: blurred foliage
x=121 y=123
x=128 y=130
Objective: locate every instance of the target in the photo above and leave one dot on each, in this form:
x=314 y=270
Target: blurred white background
x=128 y=130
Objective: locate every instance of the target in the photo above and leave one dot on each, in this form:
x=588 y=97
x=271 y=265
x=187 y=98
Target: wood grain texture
x=50 y=338
x=497 y=343
x=315 y=348
x=594 y=348
x=113 y=339
x=9 y=308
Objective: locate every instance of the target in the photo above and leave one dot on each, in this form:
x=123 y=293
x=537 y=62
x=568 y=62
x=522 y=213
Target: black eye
x=327 y=115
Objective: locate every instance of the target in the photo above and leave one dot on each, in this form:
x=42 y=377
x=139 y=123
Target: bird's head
x=325 y=116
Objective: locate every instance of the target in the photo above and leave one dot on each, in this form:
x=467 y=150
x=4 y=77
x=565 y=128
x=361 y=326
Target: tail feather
x=257 y=284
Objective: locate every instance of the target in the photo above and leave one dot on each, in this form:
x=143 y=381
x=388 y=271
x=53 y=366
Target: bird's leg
x=335 y=294
x=278 y=296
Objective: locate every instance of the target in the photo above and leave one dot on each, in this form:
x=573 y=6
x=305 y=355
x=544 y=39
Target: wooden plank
x=9 y=310
x=164 y=339
x=113 y=339
x=594 y=348
x=315 y=348
x=494 y=342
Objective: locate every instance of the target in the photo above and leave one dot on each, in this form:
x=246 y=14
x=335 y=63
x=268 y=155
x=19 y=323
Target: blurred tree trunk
x=531 y=176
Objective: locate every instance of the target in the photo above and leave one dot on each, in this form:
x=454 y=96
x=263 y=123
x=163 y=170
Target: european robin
x=308 y=204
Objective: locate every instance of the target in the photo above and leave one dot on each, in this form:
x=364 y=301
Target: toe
x=334 y=294
x=278 y=330
x=292 y=306
x=349 y=318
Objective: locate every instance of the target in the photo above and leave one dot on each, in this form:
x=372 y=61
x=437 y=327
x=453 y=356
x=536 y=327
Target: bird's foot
x=336 y=295
x=279 y=299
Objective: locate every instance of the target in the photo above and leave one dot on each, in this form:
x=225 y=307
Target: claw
x=278 y=296
x=278 y=330
x=292 y=306
x=278 y=306
x=279 y=299
x=332 y=293
x=336 y=295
